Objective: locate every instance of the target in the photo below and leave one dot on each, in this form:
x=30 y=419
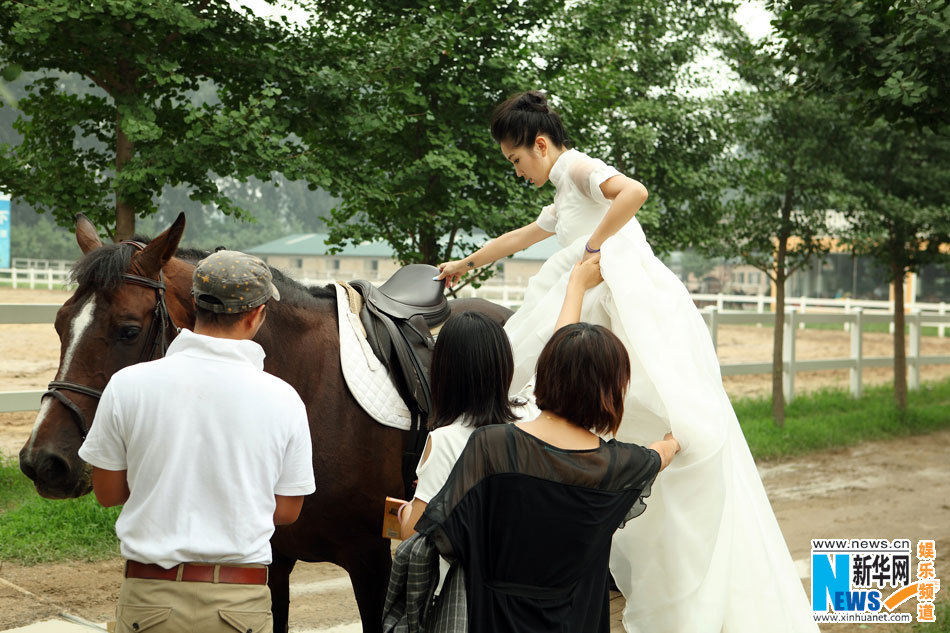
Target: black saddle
x=410 y=292
x=397 y=317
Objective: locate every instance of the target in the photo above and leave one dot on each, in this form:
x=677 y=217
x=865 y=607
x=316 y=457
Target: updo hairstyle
x=521 y=118
x=582 y=376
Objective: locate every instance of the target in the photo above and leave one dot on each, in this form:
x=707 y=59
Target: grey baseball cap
x=231 y=282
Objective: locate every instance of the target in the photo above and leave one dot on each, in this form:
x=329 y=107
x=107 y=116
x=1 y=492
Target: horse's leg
x=279 y=583
x=369 y=573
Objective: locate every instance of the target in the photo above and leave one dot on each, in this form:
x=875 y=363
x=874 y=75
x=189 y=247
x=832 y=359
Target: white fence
x=856 y=362
x=856 y=319
x=33 y=278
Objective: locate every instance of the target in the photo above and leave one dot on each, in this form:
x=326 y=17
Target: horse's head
x=122 y=312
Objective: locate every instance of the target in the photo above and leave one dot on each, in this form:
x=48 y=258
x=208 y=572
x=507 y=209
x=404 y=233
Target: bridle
x=155 y=345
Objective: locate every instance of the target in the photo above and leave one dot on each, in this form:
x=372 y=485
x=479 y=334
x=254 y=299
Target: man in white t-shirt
x=207 y=452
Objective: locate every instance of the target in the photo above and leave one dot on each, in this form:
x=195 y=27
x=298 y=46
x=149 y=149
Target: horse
x=128 y=300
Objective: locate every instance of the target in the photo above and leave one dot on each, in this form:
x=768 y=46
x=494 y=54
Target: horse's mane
x=104 y=267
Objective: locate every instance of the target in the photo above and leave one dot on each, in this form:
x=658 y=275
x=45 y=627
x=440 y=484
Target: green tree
x=883 y=58
x=417 y=161
x=41 y=239
x=140 y=123
x=886 y=60
x=781 y=175
x=899 y=212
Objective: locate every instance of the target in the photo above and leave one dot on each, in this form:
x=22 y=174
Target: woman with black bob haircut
x=470 y=377
x=530 y=508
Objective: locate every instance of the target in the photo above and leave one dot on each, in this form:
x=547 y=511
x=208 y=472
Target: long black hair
x=522 y=117
x=472 y=366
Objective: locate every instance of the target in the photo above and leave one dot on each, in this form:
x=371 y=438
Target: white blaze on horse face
x=77 y=328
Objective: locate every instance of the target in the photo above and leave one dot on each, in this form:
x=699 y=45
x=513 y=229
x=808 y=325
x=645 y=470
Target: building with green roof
x=306 y=256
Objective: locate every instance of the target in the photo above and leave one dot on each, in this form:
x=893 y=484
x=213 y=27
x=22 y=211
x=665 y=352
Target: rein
x=155 y=345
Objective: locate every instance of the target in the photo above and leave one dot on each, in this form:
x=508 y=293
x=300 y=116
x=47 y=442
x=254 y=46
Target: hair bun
x=534 y=101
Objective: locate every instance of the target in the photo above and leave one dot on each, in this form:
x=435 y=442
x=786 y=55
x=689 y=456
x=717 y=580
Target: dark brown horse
x=111 y=321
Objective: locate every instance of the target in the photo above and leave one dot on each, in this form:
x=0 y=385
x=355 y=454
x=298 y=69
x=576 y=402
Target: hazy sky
x=751 y=14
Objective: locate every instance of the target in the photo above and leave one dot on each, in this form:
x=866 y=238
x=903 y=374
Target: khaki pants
x=168 y=606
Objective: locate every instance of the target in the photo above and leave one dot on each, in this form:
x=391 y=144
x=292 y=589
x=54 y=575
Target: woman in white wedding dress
x=709 y=555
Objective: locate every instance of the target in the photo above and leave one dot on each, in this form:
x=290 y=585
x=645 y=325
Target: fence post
x=32 y=278
x=713 y=324
x=49 y=278
x=13 y=277
x=719 y=303
x=857 y=352
x=804 y=309
x=913 y=359
x=942 y=310
x=788 y=356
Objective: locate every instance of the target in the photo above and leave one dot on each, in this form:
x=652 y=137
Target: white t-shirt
x=433 y=471
x=208 y=438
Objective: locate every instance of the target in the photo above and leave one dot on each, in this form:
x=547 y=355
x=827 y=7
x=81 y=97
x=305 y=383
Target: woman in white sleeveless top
x=471 y=372
x=470 y=376
x=710 y=556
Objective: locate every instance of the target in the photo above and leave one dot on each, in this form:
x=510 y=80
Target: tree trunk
x=900 y=353
x=778 y=336
x=778 y=332
x=124 y=213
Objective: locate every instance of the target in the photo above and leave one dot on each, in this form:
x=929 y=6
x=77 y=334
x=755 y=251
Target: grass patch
x=36 y=530
x=942 y=625
x=833 y=419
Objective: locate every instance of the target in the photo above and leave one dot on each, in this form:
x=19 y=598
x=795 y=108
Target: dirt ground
x=894 y=489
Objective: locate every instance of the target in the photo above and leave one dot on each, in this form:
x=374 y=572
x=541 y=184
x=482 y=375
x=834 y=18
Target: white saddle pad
x=366 y=377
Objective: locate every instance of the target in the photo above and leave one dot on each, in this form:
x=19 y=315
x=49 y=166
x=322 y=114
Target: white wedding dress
x=708 y=554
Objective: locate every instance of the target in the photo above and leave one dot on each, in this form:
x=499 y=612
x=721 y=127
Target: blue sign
x=4 y=232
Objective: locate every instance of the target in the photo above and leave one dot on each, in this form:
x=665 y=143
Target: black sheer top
x=531 y=525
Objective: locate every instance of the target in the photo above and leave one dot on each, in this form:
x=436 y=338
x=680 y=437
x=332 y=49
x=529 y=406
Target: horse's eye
x=129 y=332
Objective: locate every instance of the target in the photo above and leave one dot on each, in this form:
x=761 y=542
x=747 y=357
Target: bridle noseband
x=155 y=345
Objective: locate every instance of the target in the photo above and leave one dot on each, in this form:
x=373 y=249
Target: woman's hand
x=453 y=271
x=586 y=273
x=667 y=448
x=584 y=276
x=669 y=438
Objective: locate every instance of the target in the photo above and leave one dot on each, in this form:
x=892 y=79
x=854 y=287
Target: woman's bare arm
x=502 y=246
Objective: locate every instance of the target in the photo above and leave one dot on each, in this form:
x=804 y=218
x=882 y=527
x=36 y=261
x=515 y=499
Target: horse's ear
x=162 y=248
x=86 y=234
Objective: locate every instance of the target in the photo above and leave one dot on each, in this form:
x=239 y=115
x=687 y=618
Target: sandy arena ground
x=895 y=489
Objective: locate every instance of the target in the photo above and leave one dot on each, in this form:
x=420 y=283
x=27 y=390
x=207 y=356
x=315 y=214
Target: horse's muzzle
x=53 y=476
